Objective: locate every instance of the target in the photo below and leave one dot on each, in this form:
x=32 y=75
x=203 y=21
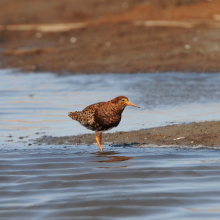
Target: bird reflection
x=110 y=157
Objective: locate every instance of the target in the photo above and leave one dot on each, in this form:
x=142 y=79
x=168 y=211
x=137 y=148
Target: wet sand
x=113 y=38
x=204 y=134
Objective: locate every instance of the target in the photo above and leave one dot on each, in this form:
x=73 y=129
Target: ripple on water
x=152 y=183
x=77 y=182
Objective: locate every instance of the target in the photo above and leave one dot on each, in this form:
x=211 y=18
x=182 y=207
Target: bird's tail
x=73 y=115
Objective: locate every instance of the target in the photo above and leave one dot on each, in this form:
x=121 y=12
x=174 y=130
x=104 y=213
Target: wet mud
x=194 y=134
x=113 y=37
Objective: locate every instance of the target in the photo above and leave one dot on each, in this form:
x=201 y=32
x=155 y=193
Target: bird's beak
x=131 y=104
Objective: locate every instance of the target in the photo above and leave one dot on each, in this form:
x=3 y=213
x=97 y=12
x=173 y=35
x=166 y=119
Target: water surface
x=78 y=182
x=39 y=103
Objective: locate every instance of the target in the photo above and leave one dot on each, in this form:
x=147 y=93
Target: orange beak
x=131 y=104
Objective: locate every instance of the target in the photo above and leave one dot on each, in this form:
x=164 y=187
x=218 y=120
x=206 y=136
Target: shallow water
x=77 y=182
x=39 y=103
x=80 y=183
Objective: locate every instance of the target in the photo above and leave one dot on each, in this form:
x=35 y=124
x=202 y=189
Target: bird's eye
x=123 y=100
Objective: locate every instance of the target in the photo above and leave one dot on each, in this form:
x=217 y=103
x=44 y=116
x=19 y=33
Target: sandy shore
x=110 y=36
x=193 y=134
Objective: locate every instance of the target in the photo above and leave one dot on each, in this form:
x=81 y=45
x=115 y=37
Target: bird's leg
x=97 y=140
x=100 y=138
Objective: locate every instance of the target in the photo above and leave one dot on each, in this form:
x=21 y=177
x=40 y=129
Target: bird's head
x=123 y=101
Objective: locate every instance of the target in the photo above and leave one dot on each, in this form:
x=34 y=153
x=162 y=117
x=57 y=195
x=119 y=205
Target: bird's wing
x=92 y=108
x=89 y=112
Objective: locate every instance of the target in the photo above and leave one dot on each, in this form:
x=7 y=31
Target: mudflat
x=93 y=36
x=204 y=134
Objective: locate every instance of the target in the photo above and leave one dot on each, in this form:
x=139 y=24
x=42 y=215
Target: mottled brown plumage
x=102 y=116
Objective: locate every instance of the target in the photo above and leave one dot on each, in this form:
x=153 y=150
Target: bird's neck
x=119 y=109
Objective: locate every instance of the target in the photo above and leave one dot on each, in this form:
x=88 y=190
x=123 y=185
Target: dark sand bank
x=113 y=36
x=193 y=134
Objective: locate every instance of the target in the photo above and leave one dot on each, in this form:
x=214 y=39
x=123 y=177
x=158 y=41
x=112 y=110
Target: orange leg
x=97 y=140
x=100 y=138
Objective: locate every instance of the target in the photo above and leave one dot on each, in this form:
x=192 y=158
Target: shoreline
x=192 y=134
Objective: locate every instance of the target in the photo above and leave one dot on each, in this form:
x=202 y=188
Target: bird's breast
x=108 y=116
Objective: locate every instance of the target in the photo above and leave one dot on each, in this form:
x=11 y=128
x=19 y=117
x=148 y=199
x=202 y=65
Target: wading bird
x=102 y=116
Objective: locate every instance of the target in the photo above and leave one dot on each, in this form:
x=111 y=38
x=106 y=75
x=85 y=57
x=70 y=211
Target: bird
x=102 y=116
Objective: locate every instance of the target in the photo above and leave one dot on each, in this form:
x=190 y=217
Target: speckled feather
x=100 y=116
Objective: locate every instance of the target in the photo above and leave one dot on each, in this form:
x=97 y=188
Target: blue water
x=39 y=103
x=66 y=182
x=76 y=182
